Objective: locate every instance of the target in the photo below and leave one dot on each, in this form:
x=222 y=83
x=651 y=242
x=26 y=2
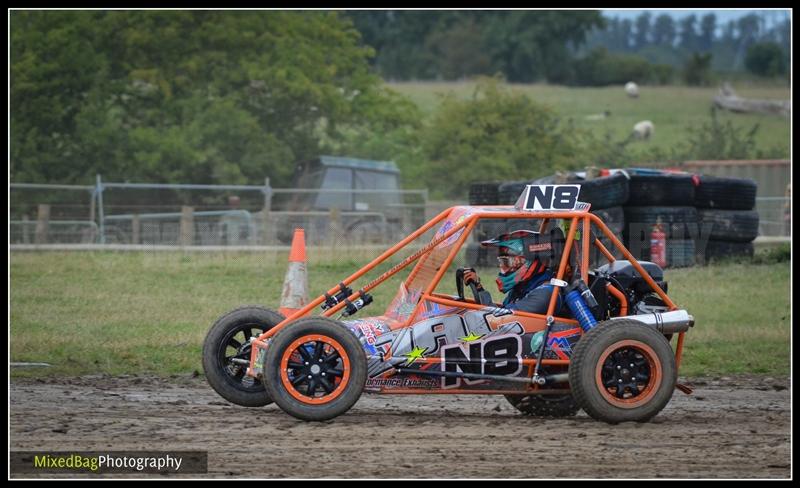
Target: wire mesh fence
x=775 y=216
x=198 y=216
x=210 y=215
x=52 y=214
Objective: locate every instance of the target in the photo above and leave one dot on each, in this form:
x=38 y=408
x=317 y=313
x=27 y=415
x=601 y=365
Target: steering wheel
x=481 y=296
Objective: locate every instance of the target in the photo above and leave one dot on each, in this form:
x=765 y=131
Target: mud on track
x=732 y=427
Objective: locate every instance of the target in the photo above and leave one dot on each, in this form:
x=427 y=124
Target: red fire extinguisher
x=658 y=245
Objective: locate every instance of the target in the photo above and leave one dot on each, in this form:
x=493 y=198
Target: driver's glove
x=470 y=276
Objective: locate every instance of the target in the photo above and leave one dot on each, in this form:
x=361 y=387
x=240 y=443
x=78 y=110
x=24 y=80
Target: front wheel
x=315 y=369
x=622 y=371
x=226 y=354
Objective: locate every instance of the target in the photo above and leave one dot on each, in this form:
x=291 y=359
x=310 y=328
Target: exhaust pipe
x=667 y=323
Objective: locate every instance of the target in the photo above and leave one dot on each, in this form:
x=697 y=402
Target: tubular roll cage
x=577 y=218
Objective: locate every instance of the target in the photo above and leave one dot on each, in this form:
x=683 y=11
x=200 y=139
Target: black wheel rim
x=315 y=367
x=627 y=371
x=236 y=346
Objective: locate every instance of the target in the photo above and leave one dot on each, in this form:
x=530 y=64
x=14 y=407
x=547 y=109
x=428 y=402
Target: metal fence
x=112 y=213
x=774 y=216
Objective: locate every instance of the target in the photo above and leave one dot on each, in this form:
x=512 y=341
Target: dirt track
x=736 y=427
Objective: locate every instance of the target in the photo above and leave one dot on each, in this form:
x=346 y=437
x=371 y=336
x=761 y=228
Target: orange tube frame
x=468 y=225
x=623 y=301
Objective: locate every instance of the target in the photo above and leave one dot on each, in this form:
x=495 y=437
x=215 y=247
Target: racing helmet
x=522 y=254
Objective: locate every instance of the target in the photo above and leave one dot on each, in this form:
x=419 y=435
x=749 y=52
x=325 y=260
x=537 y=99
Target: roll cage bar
x=577 y=218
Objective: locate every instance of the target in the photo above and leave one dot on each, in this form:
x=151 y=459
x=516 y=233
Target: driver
x=524 y=276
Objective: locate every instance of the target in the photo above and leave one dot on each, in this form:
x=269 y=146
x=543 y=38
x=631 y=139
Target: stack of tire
x=483 y=193
x=726 y=215
x=607 y=195
x=703 y=217
x=667 y=199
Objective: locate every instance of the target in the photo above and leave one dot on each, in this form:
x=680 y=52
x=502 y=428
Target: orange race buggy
x=617 y=365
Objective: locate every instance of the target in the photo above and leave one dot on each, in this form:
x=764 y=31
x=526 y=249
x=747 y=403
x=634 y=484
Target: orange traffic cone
x=295 y=284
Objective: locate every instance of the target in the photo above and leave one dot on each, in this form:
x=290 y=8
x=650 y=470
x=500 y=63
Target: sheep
x=643 y=130
x=632 y=89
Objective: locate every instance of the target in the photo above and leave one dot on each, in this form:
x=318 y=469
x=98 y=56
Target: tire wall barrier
x=605 y=192
x=661 y=190
x=483 y=193
x=704 y=217
x=714 y=250
x=725 y=193
x=725 y=213
x=722 y=218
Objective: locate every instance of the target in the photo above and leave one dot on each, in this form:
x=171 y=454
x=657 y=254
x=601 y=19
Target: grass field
x=673 y=109
x=123 y=313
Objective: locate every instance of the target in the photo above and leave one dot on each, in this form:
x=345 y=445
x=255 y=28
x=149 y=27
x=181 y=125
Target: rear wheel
x=554 y=406
x=315 y=369
x=622 y=371
x=226 y=354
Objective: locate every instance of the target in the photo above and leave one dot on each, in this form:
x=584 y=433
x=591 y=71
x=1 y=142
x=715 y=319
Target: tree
x=626 y=33
x=523 y=45
x=496 y=134
x=642 y=36
x=698 y=69
x=765 y=59
x=399 y=40
x=688 y=30
x=459 y=51
x=200 y=96
x=708 y=28
x=529 y=45
x=784 y=32
x=664 y=30
x=729 y=32
x=748 y=29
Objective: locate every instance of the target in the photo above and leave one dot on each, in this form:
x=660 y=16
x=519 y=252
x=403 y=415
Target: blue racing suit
x=533 y=296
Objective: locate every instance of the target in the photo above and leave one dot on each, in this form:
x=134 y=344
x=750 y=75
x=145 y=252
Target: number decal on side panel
x=499 y=355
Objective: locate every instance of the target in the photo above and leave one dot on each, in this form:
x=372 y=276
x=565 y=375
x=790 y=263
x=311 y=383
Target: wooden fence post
x=42 y=224
x=187 y=226
x=335 y=229
x=136 y=229
x=26 y=232
x=267 y=221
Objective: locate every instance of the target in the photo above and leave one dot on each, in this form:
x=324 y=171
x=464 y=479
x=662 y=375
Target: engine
x=622 y=275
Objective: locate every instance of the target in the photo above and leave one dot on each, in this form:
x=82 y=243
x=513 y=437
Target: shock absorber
x=581 y=302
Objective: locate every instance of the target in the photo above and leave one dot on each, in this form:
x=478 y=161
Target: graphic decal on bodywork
x=403 y=382
x=560 y=342
x=433 y=309
x=403 y=304
x=414 y=354
x=471 y=337
x=457 y=216
x=500 y=356
x=464 y=341
x=403 y=347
